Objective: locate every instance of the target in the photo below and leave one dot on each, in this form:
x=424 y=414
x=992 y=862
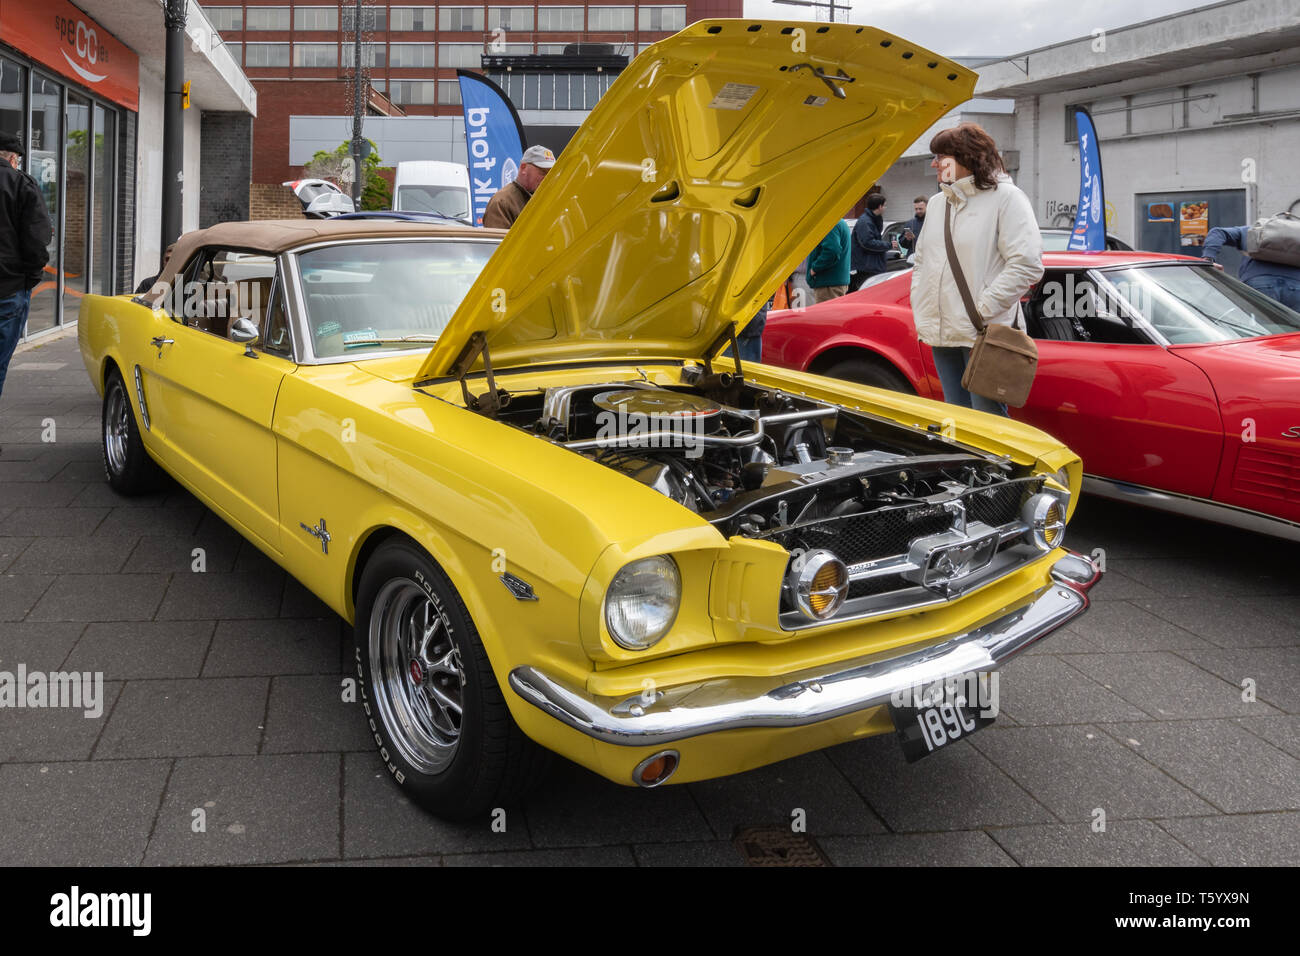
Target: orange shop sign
x=62 y=38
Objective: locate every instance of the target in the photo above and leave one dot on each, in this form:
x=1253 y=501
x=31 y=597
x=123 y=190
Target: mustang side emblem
x=1292 y=432
x=318 y=532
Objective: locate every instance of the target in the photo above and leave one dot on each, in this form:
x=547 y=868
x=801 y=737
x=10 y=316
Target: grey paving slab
x=87 y=555
x=578 y=808
x=299 y=602
x=1281 y=732
x=175 y=554
x=1115 y=585
x=1122 y=843
x=1219 y=760
x=1255 y=839
x=99 y=494
x=703 y=853
x=180 y=522
x=134 y=650
x=80 y=471
x=39 y=494
x=54 y=522
x=379 y=821
x=101 y=597
x=1119 y=626
x=309 y=714
x=573 y=856
x=1074 y=770
x=1282 y=608
x=1185 y=577
x=1044 y=689
x=222 y=597
x=57 y=733
x=1226 y=621
x=1274 y=670
x=250 y=559
x=957 y=848
x=956 y=788
x=186 y=718
x=36 y=469
x=772 y=794
x=1167 y=686
x=20 y=592
x=267 y=809
x=95 y=813
x=275 y=646
x=41 y=646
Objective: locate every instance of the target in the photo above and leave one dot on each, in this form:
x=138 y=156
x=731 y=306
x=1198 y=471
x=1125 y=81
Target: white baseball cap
x=539 y=156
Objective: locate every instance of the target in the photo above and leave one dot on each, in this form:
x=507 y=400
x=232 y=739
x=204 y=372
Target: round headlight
x=642 y=600
x=1045 y=515
x=820 y=583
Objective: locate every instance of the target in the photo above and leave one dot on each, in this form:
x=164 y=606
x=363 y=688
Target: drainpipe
x=173 y=122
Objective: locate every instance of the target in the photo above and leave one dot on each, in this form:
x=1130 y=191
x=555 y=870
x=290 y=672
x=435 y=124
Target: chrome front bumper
x=793 y=700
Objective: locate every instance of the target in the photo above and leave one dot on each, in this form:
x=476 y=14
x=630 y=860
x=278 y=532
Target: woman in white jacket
x=997 y=242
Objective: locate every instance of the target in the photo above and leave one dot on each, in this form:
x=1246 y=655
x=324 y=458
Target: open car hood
x=713 y=165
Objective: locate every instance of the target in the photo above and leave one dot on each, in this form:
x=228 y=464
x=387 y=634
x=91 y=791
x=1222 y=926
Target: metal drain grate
x=778 y=846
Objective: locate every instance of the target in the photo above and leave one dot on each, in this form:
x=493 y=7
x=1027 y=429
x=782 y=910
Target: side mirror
x=245 y=333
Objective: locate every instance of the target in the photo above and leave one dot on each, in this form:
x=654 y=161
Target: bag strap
x=960 y=277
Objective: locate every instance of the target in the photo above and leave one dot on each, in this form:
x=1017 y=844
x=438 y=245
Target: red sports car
x=1178 y=385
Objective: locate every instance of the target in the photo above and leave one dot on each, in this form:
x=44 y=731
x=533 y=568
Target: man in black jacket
x=869 y=246
x=24 y=238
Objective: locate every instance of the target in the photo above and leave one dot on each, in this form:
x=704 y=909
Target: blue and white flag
x=1089 y=233
x=494 y=135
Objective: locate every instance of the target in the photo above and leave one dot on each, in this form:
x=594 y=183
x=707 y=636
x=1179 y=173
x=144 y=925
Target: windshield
x=386 y=295
x=1193 y=303
x=1055 y=241
x=448 y=200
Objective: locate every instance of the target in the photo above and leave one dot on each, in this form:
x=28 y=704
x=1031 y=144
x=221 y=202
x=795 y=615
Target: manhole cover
x=778 y=846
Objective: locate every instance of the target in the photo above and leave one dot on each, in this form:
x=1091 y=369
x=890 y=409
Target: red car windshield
x=1195 y=304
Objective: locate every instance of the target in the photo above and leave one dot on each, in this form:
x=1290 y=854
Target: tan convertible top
x=274 y=236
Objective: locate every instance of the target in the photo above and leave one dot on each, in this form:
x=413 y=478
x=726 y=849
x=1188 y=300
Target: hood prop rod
x=727 y=334
x=494 y=399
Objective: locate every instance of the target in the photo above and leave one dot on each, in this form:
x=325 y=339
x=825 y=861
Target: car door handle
x=158 y=341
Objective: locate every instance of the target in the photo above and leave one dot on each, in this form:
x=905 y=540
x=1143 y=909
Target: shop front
x=70 y=89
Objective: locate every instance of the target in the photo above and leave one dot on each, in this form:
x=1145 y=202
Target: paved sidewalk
x=222 y=703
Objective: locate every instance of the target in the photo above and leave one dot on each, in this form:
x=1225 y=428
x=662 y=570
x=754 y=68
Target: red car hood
x=1262 y=373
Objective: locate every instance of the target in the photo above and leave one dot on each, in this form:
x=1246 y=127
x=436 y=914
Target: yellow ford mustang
x=559 y=517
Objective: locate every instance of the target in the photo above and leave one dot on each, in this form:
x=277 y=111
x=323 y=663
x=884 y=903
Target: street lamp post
x=356 y=107
x=829 y=5
x=173 y=121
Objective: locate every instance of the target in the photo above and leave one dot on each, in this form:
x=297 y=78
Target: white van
x=428 y=186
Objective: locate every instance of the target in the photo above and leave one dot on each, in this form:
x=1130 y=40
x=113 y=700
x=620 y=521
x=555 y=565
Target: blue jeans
x=13 y=316
x=951 y=365
x=1279 y=289
x=750 y=340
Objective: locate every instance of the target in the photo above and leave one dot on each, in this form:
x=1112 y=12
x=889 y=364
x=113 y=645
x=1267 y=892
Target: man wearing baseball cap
x=508 y=202
x=24 y=238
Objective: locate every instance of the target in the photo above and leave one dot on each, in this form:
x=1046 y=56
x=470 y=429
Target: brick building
x=299 y=58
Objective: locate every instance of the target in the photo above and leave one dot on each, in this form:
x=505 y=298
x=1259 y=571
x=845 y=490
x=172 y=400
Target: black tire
x=455 y=768
x=871 y=371
x=127 y=465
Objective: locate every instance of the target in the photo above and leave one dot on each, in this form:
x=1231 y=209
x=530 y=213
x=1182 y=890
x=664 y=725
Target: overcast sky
x=985 y=27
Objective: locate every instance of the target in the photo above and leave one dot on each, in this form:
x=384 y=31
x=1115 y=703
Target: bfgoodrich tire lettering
x=430 y=699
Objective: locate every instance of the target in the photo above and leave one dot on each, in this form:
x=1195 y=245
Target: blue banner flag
x=1089 y=234
x=494 y=136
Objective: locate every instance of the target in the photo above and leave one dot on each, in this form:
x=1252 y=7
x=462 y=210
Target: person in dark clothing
x=912 y=228
x=147 y=284
x=869 y=246
x=1276 y=280
x=24 y=241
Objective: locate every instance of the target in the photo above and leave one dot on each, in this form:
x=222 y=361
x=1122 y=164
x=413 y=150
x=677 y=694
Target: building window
x=373 y=19
x=466 y=55
x=372 y=55
x=564 y=19
x=449 y=92
x=267 y=18
x=237 y=51
x=315 y=18
x=614 y=19
x=413 y=54
x=225 y=19
x=551 y=49
x=663 y=18
x=413 y=92
x=519 y=19
x=316 y=54
x=412 y=18
x=266 y=54
x=461 y=19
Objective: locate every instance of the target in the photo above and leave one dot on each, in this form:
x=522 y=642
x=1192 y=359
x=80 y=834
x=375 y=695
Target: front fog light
x=820 y=583
x=642 y=600
x=1045 y=515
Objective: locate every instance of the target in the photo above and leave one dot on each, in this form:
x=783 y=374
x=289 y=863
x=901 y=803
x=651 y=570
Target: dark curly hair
x=974 y=149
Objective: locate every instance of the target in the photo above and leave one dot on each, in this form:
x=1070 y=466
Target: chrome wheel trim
x=417 y=675
x=116 y=430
